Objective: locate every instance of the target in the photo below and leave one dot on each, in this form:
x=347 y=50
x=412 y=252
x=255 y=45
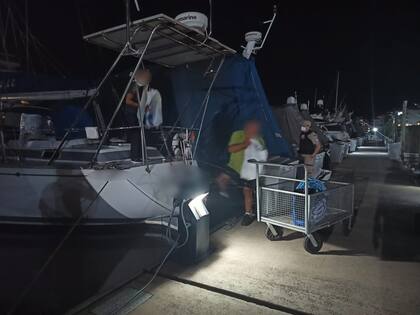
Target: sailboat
x=44 y=180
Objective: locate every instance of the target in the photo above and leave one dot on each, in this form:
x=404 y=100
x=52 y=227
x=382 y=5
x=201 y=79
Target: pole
x=141 y=122
x=336 y=91
x=127 y=21
x=315 y=97
x=306 y=200
x=27 y=35
x=403 y=127
x=394 y=128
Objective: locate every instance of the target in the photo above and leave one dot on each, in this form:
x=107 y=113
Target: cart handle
x=253 y=161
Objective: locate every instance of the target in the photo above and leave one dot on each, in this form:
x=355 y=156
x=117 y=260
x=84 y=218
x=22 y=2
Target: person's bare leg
x=248 y=200
x=308 y=160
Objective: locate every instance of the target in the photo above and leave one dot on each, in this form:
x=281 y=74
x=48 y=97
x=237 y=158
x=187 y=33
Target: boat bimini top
x=173 y=44
x=158 y=39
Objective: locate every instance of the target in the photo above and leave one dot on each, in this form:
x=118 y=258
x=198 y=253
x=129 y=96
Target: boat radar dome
x=252 y=39
x=291 y=100
x=320 y=103
x=195 y=20
x=304 y=106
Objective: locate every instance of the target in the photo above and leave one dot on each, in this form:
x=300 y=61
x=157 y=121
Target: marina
x=176 y=181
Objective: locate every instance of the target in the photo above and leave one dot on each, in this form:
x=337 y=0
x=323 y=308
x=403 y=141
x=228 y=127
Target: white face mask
x=304 y=129
x=140 y=83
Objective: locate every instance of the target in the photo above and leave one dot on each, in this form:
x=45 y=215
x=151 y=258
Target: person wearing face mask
x=148 y=110
x=309 y=145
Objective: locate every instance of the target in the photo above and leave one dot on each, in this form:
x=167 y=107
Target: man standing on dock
x=243 y=145
x=309 y=145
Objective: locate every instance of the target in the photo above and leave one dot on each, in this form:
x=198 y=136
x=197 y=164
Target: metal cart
x=281 y=205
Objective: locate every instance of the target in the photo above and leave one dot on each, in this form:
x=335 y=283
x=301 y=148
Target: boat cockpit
x=29 y=135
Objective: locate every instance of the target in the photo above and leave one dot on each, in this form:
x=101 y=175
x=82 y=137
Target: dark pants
x=134 y=135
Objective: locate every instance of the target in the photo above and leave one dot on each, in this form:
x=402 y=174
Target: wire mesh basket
x=282 y=203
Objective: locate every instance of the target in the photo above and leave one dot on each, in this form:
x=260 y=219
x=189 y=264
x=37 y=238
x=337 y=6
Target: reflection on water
x=93 y=260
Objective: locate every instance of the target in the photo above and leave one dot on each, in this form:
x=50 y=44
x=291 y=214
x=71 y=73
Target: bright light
x=197 y=206
x=375 y=129
x=399 y=113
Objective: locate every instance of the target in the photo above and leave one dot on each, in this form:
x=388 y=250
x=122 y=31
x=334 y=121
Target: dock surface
x=375 y=270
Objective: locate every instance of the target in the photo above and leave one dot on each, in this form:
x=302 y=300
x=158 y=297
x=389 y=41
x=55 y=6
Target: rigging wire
x=205 y=104
x=149 y=196
x=27 y=39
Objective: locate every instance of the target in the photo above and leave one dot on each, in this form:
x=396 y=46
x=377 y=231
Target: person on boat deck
x=309 y=145
x=241 y=143
x=148 y=110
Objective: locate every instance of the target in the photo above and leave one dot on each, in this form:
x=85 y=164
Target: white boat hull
x=104 y=196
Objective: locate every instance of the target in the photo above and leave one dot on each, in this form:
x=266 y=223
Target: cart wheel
x=346 y=227
x=309 y=247
x=269 y=234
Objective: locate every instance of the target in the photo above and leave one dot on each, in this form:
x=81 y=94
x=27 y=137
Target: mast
x=27 y=35
x=403 y=125
x=336 y=91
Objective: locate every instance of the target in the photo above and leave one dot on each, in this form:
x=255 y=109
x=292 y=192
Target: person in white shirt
x=246 y=144
x=147 y=110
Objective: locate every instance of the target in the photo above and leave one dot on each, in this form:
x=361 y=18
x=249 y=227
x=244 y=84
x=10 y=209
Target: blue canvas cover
x=236 y=97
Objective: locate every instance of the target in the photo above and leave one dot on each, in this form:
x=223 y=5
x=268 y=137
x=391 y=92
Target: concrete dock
x=375 y=270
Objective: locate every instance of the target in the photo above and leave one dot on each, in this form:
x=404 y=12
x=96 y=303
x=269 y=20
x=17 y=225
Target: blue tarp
x=237 y=96
x=65 y=113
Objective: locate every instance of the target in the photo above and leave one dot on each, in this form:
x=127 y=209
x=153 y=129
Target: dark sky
x=374 y=44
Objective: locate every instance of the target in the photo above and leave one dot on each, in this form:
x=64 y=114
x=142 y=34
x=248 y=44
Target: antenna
x=253 y=38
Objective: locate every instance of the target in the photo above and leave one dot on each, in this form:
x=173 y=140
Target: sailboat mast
x=27 y=35
x=336 y=91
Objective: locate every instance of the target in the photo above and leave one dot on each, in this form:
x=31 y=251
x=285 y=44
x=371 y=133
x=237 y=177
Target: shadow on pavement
x=342 y=252
x=396 y=232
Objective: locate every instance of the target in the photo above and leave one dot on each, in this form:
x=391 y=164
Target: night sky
x=374 y=44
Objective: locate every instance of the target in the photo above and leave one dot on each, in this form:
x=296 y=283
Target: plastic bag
x=255 y=151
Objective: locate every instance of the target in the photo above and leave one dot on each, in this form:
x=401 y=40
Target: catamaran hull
x=101 y=196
